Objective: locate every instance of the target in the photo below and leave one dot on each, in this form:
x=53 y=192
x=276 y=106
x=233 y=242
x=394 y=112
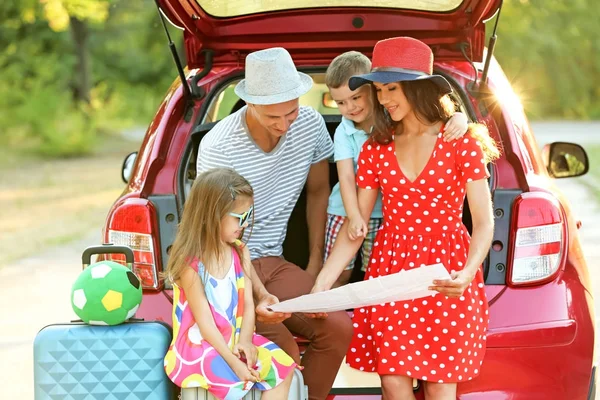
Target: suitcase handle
x=108 y=248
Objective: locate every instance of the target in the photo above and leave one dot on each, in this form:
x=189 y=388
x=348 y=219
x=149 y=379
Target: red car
x=540 y=343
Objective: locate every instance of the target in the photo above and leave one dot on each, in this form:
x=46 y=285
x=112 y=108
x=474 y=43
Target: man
x=279 y=147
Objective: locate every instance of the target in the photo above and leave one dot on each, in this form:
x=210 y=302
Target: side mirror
x=127 y=167
x=565 y=160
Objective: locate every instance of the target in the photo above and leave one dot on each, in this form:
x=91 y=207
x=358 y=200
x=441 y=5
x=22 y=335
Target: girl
x=441 y=339
x=214 y=345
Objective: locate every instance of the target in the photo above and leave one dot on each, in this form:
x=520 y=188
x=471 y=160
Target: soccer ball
x=106 y=293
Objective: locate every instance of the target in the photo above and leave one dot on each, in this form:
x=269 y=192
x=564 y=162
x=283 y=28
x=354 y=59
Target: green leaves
x=130 y=69
x=549 y=50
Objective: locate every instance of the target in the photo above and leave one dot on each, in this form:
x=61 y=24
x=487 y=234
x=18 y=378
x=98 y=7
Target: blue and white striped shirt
x=277 y=177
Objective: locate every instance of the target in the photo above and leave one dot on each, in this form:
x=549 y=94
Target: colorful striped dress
x=192 y=362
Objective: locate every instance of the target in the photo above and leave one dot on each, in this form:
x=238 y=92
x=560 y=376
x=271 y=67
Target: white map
x=404 y=285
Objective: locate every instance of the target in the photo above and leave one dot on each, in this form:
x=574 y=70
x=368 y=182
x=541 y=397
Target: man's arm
x=317 y=196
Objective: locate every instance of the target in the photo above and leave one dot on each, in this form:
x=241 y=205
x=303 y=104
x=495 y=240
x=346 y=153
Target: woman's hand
x=248 y=351
x=456 y=127
x=241 y=370
x=455 y=286
x=358 y=227
x=263 y=314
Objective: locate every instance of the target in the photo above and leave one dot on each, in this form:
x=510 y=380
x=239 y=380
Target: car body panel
x=541 y=337
x=327 y=32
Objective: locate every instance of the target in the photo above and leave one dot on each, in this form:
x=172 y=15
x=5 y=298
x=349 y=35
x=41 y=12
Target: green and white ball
x=106 y=293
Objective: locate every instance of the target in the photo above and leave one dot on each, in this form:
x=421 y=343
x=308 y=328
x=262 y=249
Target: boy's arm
x=347 y=180
x=456 y=127
x=357 y=226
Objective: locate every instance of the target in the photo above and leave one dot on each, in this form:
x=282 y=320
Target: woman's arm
x=480 y=204
x=344 y=248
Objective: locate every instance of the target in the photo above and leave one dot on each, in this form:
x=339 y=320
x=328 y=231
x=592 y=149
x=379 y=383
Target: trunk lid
x=315 y=30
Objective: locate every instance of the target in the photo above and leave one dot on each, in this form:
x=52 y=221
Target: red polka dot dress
x=435 y=338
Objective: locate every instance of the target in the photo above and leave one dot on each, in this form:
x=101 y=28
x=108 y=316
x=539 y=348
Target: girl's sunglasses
x=245 y=217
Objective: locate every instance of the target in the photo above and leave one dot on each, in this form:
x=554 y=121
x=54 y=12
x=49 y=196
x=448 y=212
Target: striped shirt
x=277 y=177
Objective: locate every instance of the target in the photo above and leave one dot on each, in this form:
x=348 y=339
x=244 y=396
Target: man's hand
x=456 y=127
x=269 y=317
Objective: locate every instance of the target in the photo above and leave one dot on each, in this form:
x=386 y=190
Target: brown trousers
x=329 y=338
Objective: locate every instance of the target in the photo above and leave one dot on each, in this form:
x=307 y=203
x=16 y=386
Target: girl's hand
x=248 y=351
x=241 y=370
x=358 y=227
x=455 y=286
x=456 y=127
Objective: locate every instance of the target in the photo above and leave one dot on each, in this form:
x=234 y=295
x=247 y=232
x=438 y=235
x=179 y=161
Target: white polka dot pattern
x=435 y=338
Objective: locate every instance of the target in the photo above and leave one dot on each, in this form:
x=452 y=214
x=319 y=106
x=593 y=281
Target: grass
x=50 y=202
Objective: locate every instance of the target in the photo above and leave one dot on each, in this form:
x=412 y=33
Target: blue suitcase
x=78 y=361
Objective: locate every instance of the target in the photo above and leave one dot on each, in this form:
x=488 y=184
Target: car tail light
x=538 y=239
x=133 y=224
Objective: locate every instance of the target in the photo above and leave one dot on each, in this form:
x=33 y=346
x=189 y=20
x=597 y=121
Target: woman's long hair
x=430 y=106
x=212 y=196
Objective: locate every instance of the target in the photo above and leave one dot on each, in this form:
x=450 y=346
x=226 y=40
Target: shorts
x=334 y=224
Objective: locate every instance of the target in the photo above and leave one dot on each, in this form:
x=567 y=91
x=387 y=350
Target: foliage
x=59 y=12
x=130 y=68
x=549 y=50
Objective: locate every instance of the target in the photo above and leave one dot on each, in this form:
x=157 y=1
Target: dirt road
x=34 y=291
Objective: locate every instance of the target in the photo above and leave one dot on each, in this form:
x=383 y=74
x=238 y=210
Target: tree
x=76 y=14
x=549 y=50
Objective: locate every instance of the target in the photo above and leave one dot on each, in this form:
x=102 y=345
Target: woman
x=423 y=179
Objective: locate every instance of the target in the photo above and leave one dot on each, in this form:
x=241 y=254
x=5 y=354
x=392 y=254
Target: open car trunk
x=315 y=30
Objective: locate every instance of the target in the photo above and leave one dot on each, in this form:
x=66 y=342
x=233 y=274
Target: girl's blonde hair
x=212 y=196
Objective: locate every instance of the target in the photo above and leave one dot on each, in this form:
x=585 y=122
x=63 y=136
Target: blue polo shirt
x=347 y=142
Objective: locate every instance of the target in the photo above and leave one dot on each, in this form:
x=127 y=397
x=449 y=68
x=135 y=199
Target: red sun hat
x=401 y=59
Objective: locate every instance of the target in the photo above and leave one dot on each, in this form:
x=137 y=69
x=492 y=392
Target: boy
x=356 y=108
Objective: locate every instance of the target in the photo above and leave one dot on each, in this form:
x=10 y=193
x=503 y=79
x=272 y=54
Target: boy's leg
x=334 y=224
x=329 y=337
x=373 y=227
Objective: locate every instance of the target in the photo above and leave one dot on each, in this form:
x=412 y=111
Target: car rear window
x=227 y=102
x=232 y=8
